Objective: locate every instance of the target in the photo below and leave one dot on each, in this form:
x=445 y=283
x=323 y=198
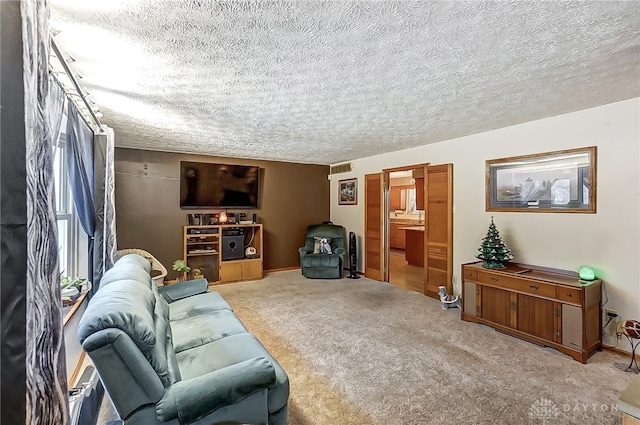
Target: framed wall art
x=348 y=192
x=561 y=181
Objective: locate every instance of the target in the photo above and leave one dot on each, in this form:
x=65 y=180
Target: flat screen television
x=208 y=185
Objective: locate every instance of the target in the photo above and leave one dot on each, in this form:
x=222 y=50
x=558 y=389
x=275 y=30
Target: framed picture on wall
x=561 y=181
x=348 y=192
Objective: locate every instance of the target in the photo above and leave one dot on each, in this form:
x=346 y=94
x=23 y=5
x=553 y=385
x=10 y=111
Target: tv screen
x=207 y=185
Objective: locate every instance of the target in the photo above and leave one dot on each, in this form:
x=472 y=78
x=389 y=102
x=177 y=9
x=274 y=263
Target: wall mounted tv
x=207 y=185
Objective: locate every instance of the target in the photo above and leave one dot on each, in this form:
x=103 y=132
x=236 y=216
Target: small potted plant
x=181 y=267
x=71 y=288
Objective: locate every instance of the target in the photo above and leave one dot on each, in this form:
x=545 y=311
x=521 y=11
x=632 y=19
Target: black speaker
x=232 y=247
x=255 y=218
x=353 y=257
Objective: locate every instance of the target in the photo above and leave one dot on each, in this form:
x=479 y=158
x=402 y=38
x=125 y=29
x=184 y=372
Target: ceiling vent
x=341 y=168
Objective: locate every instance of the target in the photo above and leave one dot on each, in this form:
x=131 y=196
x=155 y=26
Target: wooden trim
x=620 y=351
x=282 y=269
x=73 y=378
x=74 y=309
x=406 y=167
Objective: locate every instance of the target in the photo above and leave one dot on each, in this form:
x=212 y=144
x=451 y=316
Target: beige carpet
x=364 y=352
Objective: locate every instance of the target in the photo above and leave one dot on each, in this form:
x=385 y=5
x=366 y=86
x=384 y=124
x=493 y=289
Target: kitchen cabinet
x=397 y=236
x=420 y=193
x=414 y=245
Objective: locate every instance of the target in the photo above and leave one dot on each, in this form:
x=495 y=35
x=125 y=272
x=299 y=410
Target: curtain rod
x=62 y=60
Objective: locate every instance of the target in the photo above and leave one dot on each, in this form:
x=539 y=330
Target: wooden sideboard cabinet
x=550 y=307
x=204 y=248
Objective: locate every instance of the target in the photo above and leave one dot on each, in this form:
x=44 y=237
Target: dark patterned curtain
x=46 y=380
x=80 y=158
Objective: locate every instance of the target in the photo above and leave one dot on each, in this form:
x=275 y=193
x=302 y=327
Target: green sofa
x=178 y=354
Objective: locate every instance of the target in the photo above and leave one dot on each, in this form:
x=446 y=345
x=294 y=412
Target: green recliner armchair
x=315 y=260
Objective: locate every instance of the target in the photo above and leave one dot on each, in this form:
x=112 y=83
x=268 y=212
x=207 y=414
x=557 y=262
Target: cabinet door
x=251 y=269
x=393 y=235
x=572 y=326
x=470 y=299
x=395 y=198
x=401 y=238
x=537 y=316
x=420 y=193
x=498 y=306
x=231 y=271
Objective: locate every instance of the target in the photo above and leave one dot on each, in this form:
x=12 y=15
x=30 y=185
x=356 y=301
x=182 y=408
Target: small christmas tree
x=493 y=250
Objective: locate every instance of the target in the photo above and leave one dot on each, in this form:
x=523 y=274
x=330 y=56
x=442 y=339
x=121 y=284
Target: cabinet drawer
x=572 y=295
x=530 y=287
x=470 y=274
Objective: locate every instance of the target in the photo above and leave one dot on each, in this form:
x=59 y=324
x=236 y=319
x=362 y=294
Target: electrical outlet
x=611 y=312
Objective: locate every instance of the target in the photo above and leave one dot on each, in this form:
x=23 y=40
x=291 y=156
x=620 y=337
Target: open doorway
x=406 y=224
x=436 y=247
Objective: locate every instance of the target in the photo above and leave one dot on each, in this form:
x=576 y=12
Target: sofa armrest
x=184 y=289
x=194 y=398
x=303 y=251
x=339 y=251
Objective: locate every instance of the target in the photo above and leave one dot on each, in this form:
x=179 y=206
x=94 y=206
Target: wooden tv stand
x=546 y=306
x=203 y=249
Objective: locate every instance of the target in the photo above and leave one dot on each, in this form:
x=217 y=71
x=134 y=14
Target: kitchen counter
x=413 y=228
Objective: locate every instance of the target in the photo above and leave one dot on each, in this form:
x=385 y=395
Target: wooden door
x=374 y=227
x=438 y=252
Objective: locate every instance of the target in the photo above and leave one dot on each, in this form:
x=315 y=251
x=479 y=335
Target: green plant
x=77 y=282
x=181 y=266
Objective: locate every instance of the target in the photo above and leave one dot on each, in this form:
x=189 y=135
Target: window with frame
x=71 y=238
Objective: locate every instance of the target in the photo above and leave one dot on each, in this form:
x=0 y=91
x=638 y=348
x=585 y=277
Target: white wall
x=608 y=240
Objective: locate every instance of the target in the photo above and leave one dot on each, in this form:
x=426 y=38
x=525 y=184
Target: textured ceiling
x=329 y=81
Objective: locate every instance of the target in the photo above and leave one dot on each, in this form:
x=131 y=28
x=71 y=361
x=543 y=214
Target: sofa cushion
x=123 y=304
x=321 y=260
x=128 y=271
x=204 y=328
x=229 y=351
x=136 y=259
x=196 y=305
x=157 y=355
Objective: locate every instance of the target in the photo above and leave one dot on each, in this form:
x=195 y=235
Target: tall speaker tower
x=353 y=257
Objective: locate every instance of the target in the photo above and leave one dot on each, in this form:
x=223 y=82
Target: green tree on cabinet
x=493 y=250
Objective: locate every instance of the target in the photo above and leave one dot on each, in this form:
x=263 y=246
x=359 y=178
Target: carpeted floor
x=364 y=352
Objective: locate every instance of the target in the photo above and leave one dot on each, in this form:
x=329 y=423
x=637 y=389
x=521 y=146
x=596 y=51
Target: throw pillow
x=321 y=245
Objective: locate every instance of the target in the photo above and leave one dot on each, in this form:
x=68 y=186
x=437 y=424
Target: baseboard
x=620 y=351
x=73 y=379
x=283 y=269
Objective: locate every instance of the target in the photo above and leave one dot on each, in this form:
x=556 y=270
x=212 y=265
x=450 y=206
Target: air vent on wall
x=341 y=168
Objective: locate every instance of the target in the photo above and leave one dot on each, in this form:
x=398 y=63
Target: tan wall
x=148 y=214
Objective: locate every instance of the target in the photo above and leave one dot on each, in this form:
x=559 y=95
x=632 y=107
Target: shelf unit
x=547 y=306
x=203 y=247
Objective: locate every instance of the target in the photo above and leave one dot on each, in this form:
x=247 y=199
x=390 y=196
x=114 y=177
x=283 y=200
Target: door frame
x=386 y=252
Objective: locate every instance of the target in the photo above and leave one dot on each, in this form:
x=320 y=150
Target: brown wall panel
x=148 y=214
